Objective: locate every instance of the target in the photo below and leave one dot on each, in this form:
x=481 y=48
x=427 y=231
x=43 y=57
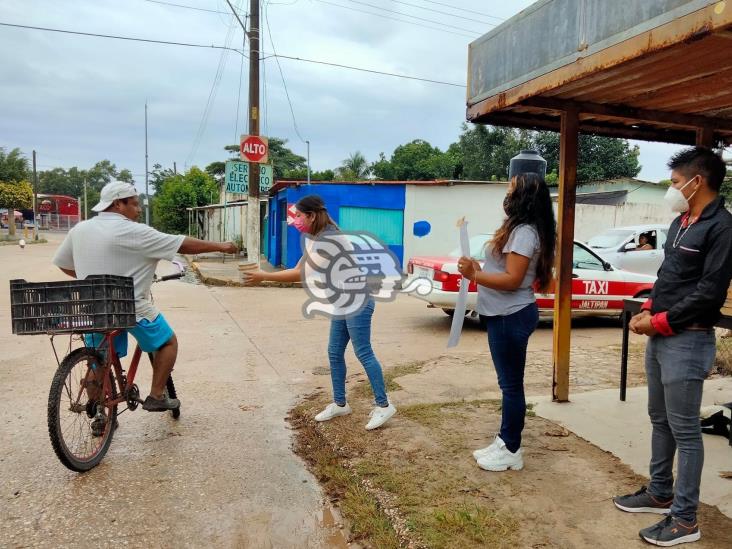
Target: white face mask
x=676 y=199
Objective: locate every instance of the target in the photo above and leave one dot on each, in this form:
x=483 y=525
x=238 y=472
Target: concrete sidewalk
x=623 y=428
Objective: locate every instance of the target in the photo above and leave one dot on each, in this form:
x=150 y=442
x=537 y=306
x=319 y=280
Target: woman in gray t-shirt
x=518 y=260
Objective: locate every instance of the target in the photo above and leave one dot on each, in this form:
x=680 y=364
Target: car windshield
x=477 y=246
x=610 y=239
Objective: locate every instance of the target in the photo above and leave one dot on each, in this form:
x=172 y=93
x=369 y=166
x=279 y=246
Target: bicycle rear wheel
x=80 y=426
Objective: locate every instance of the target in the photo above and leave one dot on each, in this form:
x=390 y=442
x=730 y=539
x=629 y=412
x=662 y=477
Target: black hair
x=701 y=161
x=530 y=204
x=313 y=204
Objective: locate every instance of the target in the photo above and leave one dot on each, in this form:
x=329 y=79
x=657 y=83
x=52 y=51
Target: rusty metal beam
x=705 y=137
x=630 y=114
x=568 y=150
x=532 y=121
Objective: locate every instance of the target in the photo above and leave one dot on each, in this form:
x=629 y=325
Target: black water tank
x=527 y=161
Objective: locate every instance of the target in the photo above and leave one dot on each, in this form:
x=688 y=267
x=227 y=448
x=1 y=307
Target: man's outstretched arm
x=195 y=246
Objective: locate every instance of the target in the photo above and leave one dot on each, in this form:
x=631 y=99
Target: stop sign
x=254 y=148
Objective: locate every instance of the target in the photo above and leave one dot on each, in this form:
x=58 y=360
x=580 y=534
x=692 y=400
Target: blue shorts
x=150 y=336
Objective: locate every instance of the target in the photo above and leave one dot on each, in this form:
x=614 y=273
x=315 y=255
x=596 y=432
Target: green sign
x=237 y=177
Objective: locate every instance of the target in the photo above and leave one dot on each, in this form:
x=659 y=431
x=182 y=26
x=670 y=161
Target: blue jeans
x=508 y=337
x=676 y=367
x=357 y=329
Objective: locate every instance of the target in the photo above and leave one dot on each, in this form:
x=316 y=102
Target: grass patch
x=5 y=241
x=363 y=389
x=367 y=521
x=397 y=497
x=431 y=415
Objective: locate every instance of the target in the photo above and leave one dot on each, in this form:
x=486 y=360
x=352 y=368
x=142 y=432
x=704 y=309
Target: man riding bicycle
x=114 y=243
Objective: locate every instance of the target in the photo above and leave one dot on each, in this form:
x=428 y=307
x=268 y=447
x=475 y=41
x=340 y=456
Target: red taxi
x=597 y=286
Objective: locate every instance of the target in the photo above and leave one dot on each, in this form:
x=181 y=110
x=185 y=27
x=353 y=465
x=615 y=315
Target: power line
x=372 y=71
x=463 y=9
x=187 y=7
x=128 y=38
x=238 y=95
x=442 y=12
x=471 y=36
x=211 y=96
x=185 y=44
x=282 y=75
x=411 y=16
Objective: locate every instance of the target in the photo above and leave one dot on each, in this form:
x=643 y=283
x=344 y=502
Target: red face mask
x=301 y=224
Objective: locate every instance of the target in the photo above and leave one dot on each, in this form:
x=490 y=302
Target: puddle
x=335 y=538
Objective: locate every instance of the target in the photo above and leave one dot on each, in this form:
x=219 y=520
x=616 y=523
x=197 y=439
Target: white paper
x=462 y=300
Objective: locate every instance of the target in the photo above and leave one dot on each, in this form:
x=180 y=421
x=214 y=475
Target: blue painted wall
x=385 y=197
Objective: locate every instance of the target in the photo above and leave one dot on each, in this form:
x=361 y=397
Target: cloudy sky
x=78 y=99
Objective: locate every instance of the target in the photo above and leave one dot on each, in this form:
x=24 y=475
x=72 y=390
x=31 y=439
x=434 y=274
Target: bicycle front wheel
x=80 y=424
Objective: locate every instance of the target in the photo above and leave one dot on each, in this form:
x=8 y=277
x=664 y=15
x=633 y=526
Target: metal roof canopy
x=655 y=70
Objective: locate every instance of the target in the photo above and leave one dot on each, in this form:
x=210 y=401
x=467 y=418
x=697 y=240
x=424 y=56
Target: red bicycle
x=90 y=383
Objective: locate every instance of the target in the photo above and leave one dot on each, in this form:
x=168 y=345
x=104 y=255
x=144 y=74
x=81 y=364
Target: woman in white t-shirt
x=323 y=236
x=518 y=259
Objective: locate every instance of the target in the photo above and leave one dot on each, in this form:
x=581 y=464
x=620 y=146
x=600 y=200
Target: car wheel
x=449 y=312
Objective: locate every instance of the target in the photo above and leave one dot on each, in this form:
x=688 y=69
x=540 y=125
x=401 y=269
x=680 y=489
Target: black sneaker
x=643 y=502
x=160 y=404
x=671 y=531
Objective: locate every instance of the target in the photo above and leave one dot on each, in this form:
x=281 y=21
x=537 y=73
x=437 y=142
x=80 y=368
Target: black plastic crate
x=96 y=304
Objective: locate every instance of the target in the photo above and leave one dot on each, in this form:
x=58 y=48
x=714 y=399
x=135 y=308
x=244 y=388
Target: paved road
x=223 y=475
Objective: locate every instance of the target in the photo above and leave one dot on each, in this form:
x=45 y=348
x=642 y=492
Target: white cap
x=114 y=190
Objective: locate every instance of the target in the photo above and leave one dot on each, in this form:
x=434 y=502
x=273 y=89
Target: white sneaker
x=379 y=416
x=501 y=458
x=483 y=452
x=333 y=410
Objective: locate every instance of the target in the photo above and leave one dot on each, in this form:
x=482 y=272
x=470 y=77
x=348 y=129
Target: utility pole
x=175 y=169
x=147 y=194
x=86 y=202
x=35 y=199
x=253 y=225
x=308 y=144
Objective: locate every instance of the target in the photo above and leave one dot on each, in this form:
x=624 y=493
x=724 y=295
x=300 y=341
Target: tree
x=484 y=152
x=71 y=182
x=354 y=167
x=15 y=195
x=301 y=174
x=726 y=189
x=414 y=161
x=178 y=192
x=599 y=158
x=13 y=166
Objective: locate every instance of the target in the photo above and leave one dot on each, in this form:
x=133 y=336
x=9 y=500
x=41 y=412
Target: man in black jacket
x=679 y=320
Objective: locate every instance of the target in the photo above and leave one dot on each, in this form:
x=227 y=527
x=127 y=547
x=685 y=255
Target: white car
x=597 y=286
x=620 y=247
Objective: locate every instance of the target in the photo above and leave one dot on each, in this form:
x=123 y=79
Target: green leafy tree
x=726 y=190
x=301 y=174
x=484 y=153
x=13 y=166
x=354 y=167
x=417 y=160
x=178 y=192
x=599 y=158
x=15 y=195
